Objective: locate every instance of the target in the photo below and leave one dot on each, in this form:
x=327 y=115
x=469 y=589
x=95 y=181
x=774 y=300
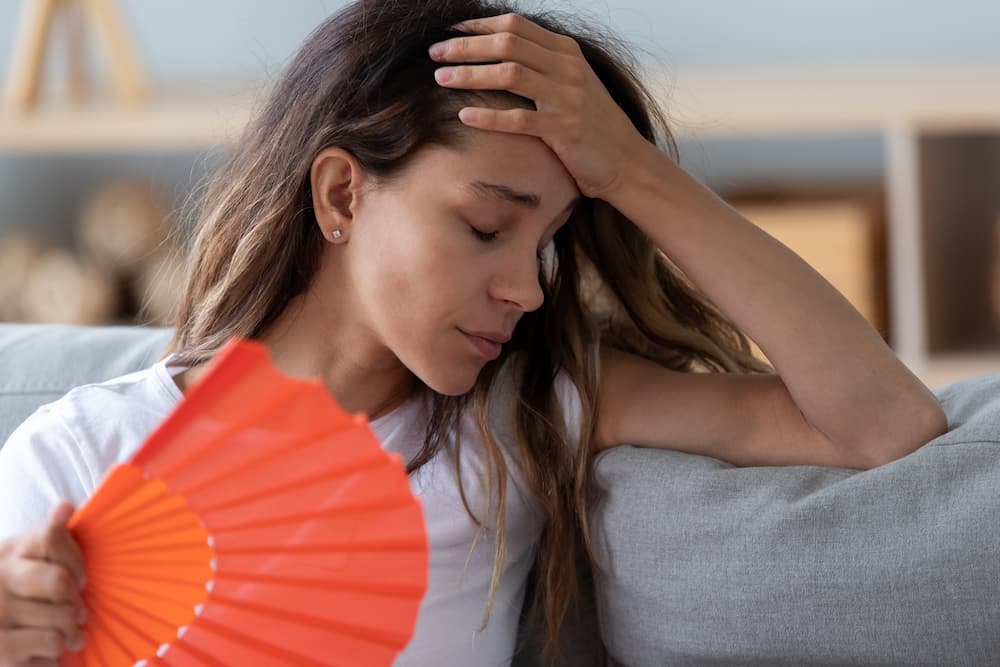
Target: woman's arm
x=836 y=369
x=838 y=384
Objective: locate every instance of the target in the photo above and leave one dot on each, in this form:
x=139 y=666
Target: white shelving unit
x=940 y=124
x=184 y=119
x=941 y=128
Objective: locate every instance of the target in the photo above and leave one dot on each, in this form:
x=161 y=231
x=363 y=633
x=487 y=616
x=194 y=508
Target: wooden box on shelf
x=840 y=235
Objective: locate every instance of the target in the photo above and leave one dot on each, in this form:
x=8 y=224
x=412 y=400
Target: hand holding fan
x=259 y=524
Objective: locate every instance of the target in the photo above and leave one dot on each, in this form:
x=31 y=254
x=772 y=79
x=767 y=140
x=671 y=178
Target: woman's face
x=452 y=248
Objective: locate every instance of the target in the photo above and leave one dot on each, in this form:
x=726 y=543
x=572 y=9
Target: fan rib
x=375 y=636
x=157 y=524
x=338 y=471
x=224 y=370
x=119 y=574
x=182 y=645
x=384 y=544
x=278 y=452
x=294 y=659
x=146 y=595
x=371 y=506
x=253 y=414
x=352 y=585
x=183 y=547
x=102 y=612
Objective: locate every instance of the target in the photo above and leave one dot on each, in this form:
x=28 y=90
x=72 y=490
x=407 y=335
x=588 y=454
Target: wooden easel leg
x=25 y=73
x=124 y=70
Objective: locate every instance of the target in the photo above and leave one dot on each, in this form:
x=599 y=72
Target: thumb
x=61 y=513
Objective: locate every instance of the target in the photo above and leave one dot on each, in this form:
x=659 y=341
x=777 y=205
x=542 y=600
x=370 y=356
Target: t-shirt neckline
x=165 y=371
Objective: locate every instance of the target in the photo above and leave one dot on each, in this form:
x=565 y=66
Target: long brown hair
x=363 y=81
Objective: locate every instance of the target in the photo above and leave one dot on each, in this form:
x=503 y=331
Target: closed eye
x=484 y=236
x=487 y=237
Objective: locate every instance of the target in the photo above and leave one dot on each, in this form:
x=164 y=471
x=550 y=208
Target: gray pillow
x=710 y=564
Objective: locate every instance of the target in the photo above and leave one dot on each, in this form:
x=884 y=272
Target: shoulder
x=567 y=394
x=63 y=448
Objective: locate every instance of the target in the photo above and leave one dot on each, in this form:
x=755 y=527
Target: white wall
x=233 y=40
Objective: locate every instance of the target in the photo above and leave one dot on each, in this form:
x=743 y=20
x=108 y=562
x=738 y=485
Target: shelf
x=943 y=369
x=698 y=101
x=783 y=100
x=185 y=120
x=960 y=212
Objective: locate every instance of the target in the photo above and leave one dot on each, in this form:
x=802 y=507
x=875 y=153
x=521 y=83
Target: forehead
x=520 y=163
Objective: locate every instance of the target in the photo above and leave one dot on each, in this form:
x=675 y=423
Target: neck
x=313 y=338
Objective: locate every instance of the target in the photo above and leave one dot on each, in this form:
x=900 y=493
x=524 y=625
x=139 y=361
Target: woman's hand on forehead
x=575 y=115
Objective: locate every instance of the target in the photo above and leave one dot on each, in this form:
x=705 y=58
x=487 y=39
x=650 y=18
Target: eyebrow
x=484 y=190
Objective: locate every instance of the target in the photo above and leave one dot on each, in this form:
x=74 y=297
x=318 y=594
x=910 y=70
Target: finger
x=519 y=25
x=514 y=77
x=28 y=614
x=514 y=121
x=43 y=581
x=23 y=644
x=504 y=46
x=54 y=542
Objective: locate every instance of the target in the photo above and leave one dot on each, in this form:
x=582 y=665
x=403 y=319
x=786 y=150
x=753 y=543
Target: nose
x=517 y=281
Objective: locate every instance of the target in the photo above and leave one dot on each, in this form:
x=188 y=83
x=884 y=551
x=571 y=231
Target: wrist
x=643 y=166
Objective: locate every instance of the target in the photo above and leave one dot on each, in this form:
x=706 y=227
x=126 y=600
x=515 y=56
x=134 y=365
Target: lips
x=488 y=348
x=499 y=338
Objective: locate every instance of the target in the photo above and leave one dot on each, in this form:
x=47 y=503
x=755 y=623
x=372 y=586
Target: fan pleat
x=351 y=651
x=138 y=600
x=177 y=593
x=203 y=448
x=345 y=509
x=274 y=455
x=184 y=654
x=223 y=639
x=373 y=588
x=216 y=500
x=122 y=638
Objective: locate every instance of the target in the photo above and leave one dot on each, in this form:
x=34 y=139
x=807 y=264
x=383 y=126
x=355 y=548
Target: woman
x=483 y=247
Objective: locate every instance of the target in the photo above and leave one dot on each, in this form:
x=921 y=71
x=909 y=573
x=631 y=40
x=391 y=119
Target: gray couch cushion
x=40 y=363
x=804 y=565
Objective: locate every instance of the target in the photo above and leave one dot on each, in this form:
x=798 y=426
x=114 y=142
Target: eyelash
x=487 y=237
x=484 y=236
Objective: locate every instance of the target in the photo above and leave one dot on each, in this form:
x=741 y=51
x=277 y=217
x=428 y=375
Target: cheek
x=408 y=282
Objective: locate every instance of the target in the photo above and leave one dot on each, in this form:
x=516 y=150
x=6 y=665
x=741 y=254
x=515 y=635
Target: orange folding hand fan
x=258 y=525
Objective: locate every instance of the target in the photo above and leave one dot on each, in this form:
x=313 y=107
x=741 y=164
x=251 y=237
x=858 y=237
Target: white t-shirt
x=64 y=448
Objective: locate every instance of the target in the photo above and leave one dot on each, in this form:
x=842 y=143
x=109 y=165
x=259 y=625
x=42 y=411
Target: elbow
x=907 y=438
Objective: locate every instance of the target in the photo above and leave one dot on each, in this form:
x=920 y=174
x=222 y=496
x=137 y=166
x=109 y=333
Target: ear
x=336 y=179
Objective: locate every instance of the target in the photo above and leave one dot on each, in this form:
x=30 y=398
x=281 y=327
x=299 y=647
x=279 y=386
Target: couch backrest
x=40 y=363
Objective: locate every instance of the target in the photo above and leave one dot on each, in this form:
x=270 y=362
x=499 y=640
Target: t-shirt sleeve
x=40 y=464
x=572 y=408
x=572 y=404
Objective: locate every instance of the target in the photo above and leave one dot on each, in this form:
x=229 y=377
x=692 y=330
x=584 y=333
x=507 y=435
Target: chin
x=459 y=381
x=453 y=387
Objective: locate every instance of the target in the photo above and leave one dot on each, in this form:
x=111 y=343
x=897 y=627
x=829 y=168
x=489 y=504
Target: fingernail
x=76 y=644
x=81 y=618
x=83 y=581
x=445 y=74
x=437 y=50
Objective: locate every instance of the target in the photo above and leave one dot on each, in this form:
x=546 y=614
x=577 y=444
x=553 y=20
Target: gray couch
x=709 y=564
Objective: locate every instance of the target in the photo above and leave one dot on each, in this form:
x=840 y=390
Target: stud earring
x=336 y=234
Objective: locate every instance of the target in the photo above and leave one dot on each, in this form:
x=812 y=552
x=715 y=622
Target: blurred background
x=864 y=135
